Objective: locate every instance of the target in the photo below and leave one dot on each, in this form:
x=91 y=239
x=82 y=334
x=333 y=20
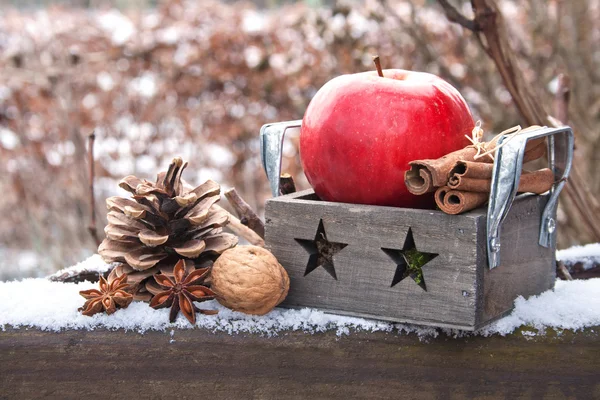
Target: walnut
x=249 y=279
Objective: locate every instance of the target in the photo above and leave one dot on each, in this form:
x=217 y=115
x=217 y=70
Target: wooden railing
x=201 y=364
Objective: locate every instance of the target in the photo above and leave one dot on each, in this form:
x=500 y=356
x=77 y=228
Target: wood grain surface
x=526 y=268
x=461 y=291
x=201 y=365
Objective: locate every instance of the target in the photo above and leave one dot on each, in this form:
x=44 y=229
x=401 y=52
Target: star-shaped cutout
x=321 y=251
x=409 y=261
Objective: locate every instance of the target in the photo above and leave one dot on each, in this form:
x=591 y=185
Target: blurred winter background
x=156 y=79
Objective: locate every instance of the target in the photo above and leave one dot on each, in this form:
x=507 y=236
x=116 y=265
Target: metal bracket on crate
x=505 y=182
x=271 y=148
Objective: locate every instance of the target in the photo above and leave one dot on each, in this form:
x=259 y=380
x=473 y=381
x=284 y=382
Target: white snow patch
x=28 y=261
x=144 y=85
x=277 y=61
x=237 y=111
x=169 y=35
x=16 y=263
x=219 y=156
x=205 y=174
x=588 y=255
x=105 y=81
x=89 y=101
x=253 y=56
x=118 y=25
x=553 y=85
x=151 y=21
x=183 y=54
x=122 y=166
x=5 y=93
x=253 y=22
x=458 y=70
x=571 y=305
x=145 y=165
x=8 y=139
x=54 y=157
x=359 y=25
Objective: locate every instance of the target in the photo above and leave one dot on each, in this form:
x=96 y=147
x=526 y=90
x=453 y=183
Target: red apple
x=360 y=131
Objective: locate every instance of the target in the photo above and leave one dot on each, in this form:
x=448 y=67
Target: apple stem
x=378 y=65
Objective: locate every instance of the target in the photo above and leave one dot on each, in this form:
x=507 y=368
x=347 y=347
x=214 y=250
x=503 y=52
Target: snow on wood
x=52 y=306
x=90 y=265
x=588 y=255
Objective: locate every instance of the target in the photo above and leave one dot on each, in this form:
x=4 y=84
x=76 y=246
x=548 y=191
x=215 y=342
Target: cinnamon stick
x=472 y=169
x=470 y=184
x=457 y=202
x=535 y=149
x=537 y=182
x=425 y=176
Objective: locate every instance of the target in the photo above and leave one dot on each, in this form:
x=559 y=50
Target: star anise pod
x=180 y=292
x=112 y=295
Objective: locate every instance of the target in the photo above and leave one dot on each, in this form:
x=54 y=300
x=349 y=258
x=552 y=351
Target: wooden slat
x=526 y=268
x=200 y=364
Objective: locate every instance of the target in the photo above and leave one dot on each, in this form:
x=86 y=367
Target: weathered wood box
x=350 y=259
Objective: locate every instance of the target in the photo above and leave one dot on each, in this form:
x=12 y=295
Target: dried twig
x=247 y=215
x=92 y=226
x=286 y=184
x=490 y=30
x=454 y=16
x=562 y=272
x=80 y=276
x=561 y=99
x=242 y=230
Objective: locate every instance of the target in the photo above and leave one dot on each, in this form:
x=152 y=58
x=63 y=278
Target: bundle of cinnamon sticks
x=462 y=179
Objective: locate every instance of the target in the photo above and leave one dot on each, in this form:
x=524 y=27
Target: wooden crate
x=347 y=259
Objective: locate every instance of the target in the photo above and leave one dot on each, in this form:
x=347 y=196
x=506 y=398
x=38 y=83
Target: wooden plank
x=526 y=268
x=365 y=272
x=199 y=364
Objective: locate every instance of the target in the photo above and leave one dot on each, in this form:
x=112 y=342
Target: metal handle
x=271 y=148
x=505 y=182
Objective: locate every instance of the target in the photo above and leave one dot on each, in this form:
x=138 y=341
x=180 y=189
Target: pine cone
x=163 y=223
